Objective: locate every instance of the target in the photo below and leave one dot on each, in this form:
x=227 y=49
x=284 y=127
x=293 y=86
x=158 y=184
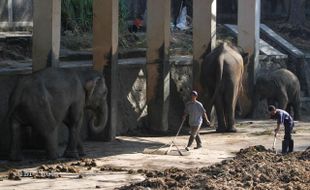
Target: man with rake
x=195 y=110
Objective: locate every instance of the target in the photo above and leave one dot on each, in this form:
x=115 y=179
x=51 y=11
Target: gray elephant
x=48 y=98
x=280 y=86
x=221 y=80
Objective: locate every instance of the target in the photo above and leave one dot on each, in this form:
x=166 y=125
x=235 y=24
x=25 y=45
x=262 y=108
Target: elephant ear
x=90 y=86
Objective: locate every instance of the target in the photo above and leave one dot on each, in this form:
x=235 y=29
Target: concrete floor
x=127 y=152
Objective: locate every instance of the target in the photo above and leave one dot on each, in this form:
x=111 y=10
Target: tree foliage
x=123 y=16
x=77 y=15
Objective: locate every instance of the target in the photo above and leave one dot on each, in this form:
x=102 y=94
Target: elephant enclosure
x=220 y=164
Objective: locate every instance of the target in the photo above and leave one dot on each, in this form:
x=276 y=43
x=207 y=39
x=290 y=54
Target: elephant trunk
x=99 y=119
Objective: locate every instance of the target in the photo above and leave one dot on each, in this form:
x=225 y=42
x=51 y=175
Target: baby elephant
x=47 y=99
x=281 y=87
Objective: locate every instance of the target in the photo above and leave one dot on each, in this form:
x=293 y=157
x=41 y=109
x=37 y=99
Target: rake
x=171 y=144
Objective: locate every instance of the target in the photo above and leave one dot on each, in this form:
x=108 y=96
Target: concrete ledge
x=132 y=61
x=184 y=60
x=69 y=55
x=26 y=67
x=9 y=25
x=4 y=35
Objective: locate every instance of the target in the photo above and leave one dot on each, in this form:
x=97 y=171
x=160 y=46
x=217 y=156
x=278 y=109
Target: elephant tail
x=218 y=82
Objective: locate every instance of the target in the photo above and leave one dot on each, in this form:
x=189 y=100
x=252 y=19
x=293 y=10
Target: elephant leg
x=80 y=148
x=230 y=100
x=283 y=101
x=289 y=109
x=74 y=144
x=46 y=125
x=15 y=154
x=71 y=150
x=296 y=108
x=230 y=118
x=220 y=114
x=208 y=105
x=52 y=144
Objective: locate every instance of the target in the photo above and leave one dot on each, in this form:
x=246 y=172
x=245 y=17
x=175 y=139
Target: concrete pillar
x=158 y=68
x=10 y=12
x=105 y=51
x=204 y=35
x=248 y=33
x=46 y=33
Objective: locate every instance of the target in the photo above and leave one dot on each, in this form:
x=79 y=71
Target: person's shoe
x=186 y=148
x=198 y=146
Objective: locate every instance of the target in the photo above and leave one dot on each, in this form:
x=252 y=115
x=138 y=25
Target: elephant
x=47 y=99
x=221 y=80
x=280 y=86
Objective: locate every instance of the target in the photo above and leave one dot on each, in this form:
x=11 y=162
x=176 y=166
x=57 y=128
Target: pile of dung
x=59 y=168
x=252 y=168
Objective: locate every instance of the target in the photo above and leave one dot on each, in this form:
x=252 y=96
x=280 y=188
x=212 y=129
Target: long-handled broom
x=161 y=150
x=274 y=143
x=173 y=141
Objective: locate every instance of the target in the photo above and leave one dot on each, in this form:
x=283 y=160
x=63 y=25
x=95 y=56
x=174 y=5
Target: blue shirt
x=283 y=117
x=195 y=110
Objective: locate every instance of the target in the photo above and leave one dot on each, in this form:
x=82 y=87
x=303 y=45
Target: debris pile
x=252 y=168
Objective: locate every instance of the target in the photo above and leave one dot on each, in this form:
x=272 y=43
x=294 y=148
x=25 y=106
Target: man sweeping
x=195 y=110
x=285 y=119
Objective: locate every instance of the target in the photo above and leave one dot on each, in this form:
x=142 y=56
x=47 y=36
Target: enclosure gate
x=46 y=45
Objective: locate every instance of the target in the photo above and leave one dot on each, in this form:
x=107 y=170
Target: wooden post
x=204 y=35
x=105 y=51
x=46 y=33
x=158 y=67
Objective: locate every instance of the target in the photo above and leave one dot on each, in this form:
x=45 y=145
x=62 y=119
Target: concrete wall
x=132 y=100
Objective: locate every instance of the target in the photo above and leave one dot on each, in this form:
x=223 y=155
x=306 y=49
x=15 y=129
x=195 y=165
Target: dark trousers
x=288 y=143
x=288 y=131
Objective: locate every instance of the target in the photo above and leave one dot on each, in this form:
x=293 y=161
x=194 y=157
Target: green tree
x=77 y=15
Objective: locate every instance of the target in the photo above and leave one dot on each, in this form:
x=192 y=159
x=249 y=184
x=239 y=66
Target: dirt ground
x=122 y=162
